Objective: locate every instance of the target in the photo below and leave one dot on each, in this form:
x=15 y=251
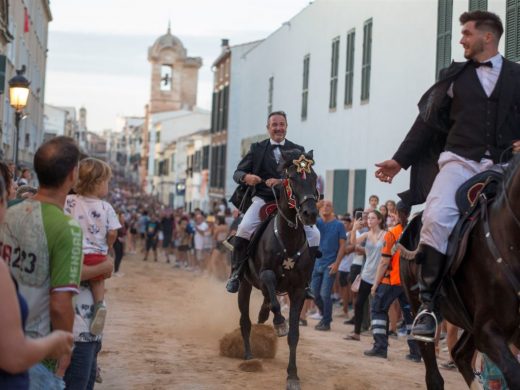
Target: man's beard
x=477 y=48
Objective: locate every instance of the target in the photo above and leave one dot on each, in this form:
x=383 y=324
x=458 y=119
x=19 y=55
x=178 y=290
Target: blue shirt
x=331 y=232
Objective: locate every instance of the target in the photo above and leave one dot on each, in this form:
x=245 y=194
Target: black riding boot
x=429 y=274
x=238 y=258
x=315 y=254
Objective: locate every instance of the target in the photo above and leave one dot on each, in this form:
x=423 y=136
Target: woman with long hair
x=374 y=241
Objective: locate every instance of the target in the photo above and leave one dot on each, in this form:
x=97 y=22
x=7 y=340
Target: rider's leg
x=245 y=230
x=439 y=218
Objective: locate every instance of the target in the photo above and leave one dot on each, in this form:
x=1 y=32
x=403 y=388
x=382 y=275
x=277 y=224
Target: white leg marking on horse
x=475 y=385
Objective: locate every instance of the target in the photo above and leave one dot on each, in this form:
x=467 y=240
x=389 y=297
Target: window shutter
x=512 y=51
x=478 y=5
x=444 y=20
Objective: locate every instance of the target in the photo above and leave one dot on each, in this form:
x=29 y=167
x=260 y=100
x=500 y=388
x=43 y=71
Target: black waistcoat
x=474 y=118
x=268 y=170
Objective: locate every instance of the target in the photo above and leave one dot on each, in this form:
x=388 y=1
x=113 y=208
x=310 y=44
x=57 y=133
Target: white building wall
x=402 y=69
x=54 y=120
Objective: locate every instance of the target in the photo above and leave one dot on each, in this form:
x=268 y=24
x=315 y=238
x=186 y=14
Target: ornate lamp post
x=18 y=95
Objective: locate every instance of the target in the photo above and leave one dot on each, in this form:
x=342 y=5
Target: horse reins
x=508 y=272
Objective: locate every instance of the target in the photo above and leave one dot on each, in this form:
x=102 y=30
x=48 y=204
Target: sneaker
x=450 y=365
x=413 y=358
x=323 y=327
x=99 y=379
x=349 y=322
x=316 y=316
x=393 y=334
x=98 y=319
x=303 y=322
x=375 y=353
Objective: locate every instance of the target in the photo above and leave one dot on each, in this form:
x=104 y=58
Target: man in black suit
x=267 y=154
x=467 y=121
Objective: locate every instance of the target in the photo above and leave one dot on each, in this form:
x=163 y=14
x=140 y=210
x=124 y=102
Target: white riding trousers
x=441 y=212
x=251 y=221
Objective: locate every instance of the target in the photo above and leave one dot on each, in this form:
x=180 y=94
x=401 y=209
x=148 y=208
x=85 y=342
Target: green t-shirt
x=43 y=248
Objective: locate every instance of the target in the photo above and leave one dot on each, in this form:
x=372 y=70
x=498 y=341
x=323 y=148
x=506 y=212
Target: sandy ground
x=164 y=325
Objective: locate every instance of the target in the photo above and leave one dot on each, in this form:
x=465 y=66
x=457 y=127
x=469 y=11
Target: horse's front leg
x=434 y=379
x=463 y=354
x=297 y=298
x=244 y=295
x=268 y=279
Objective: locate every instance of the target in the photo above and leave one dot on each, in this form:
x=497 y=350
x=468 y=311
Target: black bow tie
x=479 y=64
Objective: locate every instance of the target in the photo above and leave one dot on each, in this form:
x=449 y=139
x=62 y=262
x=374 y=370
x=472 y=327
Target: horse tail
x=407 y=253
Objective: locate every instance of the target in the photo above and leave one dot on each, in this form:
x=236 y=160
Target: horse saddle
x=266 y=210
x=467 y=200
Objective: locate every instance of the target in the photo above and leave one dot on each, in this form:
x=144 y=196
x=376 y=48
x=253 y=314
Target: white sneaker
x=316 y=316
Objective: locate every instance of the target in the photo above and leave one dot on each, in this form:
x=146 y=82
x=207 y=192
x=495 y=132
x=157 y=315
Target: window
x=305 y=88
x=214 y=113
x=205 y=157
x=225 y=107
x=367 y=60
x=349 y=69
x=166 y=77
x=478 y=5
x=220 y=124
x=334 y=65
x=444 y=16
x=513 y=30
x=270 y=95
x=158 y=137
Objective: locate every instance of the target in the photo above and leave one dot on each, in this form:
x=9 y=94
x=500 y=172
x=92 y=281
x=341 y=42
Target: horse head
x=299 y=182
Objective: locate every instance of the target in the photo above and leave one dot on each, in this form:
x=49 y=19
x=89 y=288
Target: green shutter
x=360 y=181
x=444 y=21
x=512 y=51
x=367 y=59
x=340 y=191
x=478 y=5
x=349 y=71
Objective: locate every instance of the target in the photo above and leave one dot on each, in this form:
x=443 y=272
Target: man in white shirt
x=472 y=116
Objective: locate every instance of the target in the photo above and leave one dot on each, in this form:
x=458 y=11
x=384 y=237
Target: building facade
x=350 y=87
x=23 y=42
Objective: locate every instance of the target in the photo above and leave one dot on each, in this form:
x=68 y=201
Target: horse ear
x=310 y=154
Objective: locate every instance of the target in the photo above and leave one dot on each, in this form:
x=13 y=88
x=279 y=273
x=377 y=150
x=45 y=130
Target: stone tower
x=174 y=75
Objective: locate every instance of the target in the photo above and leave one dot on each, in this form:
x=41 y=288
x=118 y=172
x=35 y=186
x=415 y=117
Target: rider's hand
x=516 y=146
x=387 y=170
x=272 y=182
x=252 y=180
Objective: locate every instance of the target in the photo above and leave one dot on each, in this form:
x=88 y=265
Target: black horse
x=483 y=295
x=281 y=261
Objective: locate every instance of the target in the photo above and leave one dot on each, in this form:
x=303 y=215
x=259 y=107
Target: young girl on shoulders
x=99 y=223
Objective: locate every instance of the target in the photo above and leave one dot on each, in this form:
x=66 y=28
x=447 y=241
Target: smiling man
x=259 y=169
x=468 y=121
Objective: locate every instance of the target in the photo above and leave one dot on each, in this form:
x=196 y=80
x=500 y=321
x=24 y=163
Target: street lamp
x=18 y=95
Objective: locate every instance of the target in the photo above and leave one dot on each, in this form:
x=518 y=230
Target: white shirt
x=96 y=218
x=277 y=152
x=488 y=76
x=198 y=239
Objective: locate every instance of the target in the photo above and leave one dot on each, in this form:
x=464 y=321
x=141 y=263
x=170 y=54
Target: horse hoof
x=281 y=329
x=293 y=384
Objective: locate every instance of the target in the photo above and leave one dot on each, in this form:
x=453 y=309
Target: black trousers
x=118 y=251
x=363 y=293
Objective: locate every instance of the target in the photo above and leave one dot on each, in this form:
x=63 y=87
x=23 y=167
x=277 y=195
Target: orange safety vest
x=391 y=275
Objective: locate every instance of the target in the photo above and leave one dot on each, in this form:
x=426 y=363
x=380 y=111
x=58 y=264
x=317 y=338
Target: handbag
x=356 y=283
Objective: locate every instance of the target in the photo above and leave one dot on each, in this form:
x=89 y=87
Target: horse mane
x=509 y=173
x=288 y=156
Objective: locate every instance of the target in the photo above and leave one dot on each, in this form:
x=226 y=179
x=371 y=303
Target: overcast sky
x=98 y=48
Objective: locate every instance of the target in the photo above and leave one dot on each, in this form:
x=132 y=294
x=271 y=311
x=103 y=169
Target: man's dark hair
x=282 y=113
x=484 y=20
x=54 y=160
